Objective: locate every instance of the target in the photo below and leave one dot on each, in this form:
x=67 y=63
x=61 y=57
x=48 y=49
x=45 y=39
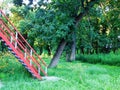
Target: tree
x=76 y=10
x=103 y=36
x=18 y=2
x=59 y=23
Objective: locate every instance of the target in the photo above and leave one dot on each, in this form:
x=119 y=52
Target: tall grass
x=110 y=59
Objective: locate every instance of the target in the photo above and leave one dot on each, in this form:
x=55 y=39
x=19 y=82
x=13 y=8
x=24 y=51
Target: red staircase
x=20 y=48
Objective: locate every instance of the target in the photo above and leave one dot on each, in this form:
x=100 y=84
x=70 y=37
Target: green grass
x=76 y=75
x=110 y=59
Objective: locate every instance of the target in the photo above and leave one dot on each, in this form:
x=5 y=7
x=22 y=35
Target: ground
x=73 y=76
x=1 y=85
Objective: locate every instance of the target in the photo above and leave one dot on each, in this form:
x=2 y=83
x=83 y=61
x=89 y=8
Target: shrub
x=110 y=59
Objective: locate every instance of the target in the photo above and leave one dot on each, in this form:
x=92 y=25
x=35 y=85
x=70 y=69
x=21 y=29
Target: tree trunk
x=82 y=49
x=67 y=56
x=49 y=50
x=57 y=54
x=73 y=47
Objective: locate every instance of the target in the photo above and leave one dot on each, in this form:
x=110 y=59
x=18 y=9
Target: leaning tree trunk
x=57 y=54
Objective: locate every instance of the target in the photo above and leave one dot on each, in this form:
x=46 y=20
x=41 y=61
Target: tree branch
x=85 y=10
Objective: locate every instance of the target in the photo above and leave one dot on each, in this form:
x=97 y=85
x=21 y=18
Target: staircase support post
x=25 y=54
x=11 y=39
x=31 y=52
x=30 y=58
x=30 y=62
x=46 y=70
x=16 y=40
x=39 y=70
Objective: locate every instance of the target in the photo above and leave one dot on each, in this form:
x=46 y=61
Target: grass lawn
x=75 y=76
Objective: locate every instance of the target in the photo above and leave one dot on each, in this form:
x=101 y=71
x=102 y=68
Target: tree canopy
x=91 y=26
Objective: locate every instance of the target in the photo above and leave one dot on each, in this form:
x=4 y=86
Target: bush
x=110 y=59
x=9 y=64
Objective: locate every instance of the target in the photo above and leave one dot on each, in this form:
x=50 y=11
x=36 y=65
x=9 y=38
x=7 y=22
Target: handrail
x=35 y=61
x=23 y=38
x=23 y=47
x=8 y=30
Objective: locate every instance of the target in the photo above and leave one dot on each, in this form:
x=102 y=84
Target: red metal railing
x=23 y=48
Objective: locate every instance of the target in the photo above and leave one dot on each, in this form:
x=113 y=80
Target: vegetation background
x=79 y=40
